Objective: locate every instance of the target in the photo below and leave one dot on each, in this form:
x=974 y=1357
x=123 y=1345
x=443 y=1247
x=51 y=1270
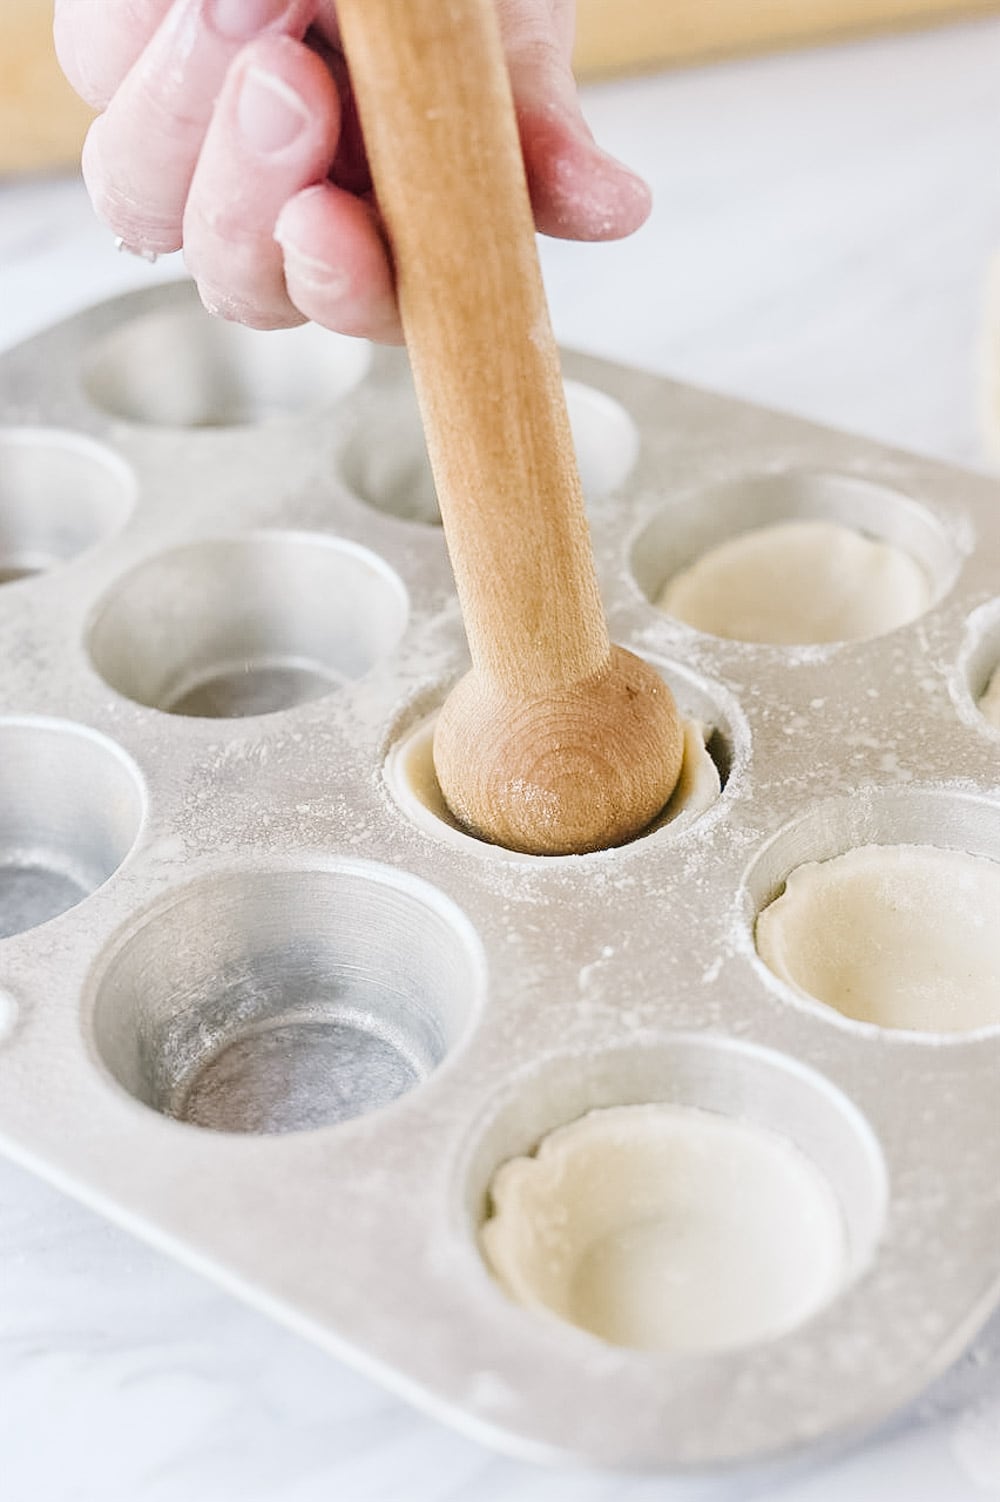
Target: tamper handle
x=438 y=118
x=442 y=141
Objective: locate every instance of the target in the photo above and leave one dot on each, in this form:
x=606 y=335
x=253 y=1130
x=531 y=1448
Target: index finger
x=97 y=41
x=140 y=155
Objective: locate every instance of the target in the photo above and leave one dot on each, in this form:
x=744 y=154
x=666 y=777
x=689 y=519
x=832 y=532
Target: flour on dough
x=902 y=936
x=667 y=1228
x=797 y=583
x=989 y=704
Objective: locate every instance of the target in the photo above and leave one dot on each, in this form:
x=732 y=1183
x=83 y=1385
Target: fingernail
x=240 y=19
x=330 y=280
x=269 y=113
x=290 y=216
x=306 y=266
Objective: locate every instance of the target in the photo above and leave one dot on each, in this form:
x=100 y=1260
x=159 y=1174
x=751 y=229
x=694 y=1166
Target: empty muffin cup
x=182 y=368
x=240 y=626
x=385 y=460
x=60 y=494
x=71 y=805
x=271 y=1001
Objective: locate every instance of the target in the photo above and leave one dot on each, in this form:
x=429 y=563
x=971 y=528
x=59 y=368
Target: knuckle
x=216 y=217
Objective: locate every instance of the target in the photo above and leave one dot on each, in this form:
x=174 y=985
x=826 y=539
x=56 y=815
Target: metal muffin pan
x=287 y=1032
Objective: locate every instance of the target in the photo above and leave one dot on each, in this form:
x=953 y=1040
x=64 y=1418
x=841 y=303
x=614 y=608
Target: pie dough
x=902 y=936
x=797 y=583
x=989 y=704
x=667 y=1228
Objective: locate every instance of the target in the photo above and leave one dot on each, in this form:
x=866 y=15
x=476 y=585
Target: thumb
x=578 y=191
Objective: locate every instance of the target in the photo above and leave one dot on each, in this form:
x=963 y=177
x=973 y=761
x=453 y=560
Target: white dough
x=797 y=583
x=698 y=785
x=903 y=936
x=989 y=704
x=667 y=1228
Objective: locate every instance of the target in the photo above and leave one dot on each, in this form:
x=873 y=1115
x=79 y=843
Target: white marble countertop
x=822 y=232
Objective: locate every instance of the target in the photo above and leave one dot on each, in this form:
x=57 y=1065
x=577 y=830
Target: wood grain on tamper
x=556 y=741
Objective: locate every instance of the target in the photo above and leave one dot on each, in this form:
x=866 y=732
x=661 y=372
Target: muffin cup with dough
x=989 y=701
x=668 y=1228
x=412 y=781
x=900 y=936
x=798 y=583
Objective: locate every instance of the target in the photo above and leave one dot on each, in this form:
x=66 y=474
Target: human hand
x=229 y=129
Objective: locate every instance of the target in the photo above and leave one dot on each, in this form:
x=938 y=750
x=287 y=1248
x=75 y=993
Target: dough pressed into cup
x=667 y=1228
x=902 y=936
x=798 y=583
x=413 y=782
x=989 y=703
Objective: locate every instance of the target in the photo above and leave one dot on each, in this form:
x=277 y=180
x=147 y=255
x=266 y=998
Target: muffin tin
x=262 y=1004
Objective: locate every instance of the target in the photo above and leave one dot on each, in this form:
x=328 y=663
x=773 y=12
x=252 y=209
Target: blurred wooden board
x=42 y=122
x=615 y=35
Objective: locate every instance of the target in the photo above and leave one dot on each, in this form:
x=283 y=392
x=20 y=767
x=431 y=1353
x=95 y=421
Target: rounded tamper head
x=565 y=772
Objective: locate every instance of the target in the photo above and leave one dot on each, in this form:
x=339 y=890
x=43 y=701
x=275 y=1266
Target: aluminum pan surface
x=360 y=1235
